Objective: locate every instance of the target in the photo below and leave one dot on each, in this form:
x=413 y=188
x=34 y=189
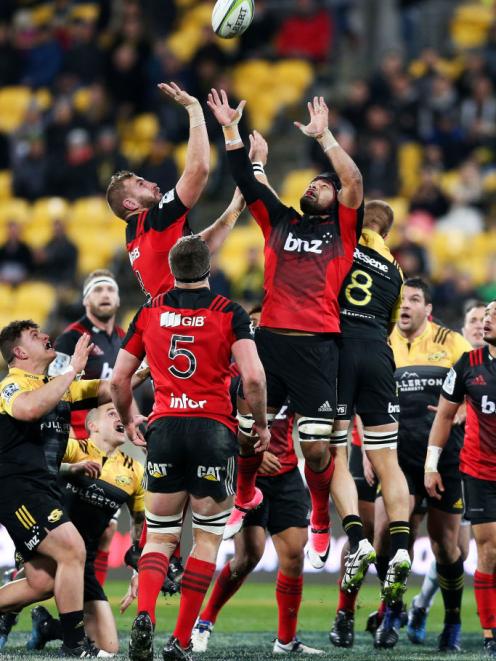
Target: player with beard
x=424 y=352
x=473 y=331
x=306 y=260
x=156 y=220
x=473 y=380
x=96 y=479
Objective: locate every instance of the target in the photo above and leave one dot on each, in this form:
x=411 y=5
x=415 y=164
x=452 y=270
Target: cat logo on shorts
x=458 y=505
x=157 y=470
x=54 y=516
x=210 y=473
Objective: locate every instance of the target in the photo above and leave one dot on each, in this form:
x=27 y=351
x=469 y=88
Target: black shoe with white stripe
x=87 y=650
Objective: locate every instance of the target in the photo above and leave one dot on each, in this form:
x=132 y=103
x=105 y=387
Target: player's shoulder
x=477 y=357
x=131 y=463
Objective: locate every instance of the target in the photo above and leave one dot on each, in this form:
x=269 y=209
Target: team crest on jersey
x=9 y=391
x=123 y=480
x=437 y=356
x=54 y=516
x=210 y=473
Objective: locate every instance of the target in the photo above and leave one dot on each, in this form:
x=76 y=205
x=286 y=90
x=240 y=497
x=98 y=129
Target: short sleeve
x=459 y=347
x=84 y=393
x=133 y=340
x=169 y=210
x=73 y=453
x=10 y=390
x=66 y=342
x=454 y=384
x=241 y=324
x=137 y=501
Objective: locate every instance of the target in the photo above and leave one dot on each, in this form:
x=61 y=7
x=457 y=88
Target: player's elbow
x=353 y=182
x=254 y=380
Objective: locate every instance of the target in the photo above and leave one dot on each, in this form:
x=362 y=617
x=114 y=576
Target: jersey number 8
x=175 y=351
x=361 y=284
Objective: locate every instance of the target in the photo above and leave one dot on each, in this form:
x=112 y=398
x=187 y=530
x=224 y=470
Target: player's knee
x=73 y=549
x=245 y=565
x=211 y=524
x=161 y=527
x=380 y=440
x=445 y=550
x=291 y=564
x=314 y=430
x=42 y=583
x=487 y=555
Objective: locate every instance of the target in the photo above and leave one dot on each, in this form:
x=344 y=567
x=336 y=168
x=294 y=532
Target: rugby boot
x=416 y=628
x=172 y=583
x=319 y=545
x=397 y=574
x=44 y=628
x=174 y=652
x=294 y=647
x=7 y=621
x=490 y=647
x=450 y=638
x=373 y=622
x=201 y=635
x=87 y=650
x=356 y=565
x=141 y=640
x=239 y=512
x=388 y=632
x=342 y=633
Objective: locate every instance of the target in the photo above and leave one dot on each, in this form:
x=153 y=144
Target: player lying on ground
x=191 y=438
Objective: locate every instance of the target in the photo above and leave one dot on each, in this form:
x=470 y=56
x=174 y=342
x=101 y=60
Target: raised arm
x=30 y=406
x=351 y=193
x=215 y=235
x=194 y=178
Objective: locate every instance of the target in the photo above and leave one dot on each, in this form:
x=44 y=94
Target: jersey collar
x=17 y=371
x=424 y=335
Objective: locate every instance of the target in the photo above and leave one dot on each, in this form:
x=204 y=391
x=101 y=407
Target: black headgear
x=332 y=177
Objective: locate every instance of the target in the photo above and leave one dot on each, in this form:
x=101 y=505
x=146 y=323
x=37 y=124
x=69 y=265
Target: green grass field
x=246 y=627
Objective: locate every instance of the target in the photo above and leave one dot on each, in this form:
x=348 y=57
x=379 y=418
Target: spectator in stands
x=306 y=32
x=478 y=113
x=487 y=291
x=125 y=80
x=218 y=280
x=465 y=213
x=208 y=65
x=30 y=172
x=379 y=167
x=411 y=256
x=451 y=292
x=75 y=175
x=57 y=260
x=357 y=103
x=61 y=121
x=159 y=165
x=429 y=196
x=258 y=41
x=248 y=287
x=405 y=107
x=16 y=259
x=10 y=58
x=381 y=82
x=41 y=53
x=108 y=157
x=83 y=59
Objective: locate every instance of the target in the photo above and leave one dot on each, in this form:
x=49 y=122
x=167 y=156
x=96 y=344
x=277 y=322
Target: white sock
x=429 y=588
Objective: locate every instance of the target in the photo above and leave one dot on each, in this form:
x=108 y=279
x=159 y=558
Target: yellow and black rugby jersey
x=370 y=294
x=421 y=366
x=31 y=447
x=91 y=503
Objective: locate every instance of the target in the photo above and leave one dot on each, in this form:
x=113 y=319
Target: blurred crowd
x=100 y=63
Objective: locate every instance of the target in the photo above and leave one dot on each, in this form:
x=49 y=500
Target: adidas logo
x=479 y=381
x=325 y=408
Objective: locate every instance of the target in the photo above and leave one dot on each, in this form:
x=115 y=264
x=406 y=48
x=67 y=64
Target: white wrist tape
x=236 y=141
x=196 y=116
x=432 y=458
x=327 y=140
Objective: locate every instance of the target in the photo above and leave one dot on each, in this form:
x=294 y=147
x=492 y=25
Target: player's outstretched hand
x=89 y=468
x=434 y=485
x=259 y=149
x=131 y=594
x=319 y=118
x=223 y=113
x=82 y=351
x=270 y=464
x=263 y=434
x=134 y=433
x=175 y=93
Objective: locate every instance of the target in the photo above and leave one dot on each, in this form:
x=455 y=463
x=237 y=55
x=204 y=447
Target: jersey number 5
x=175 y=351
x=361 y=284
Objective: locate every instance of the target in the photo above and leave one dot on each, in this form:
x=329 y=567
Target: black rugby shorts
x=480 y=500
x=197 y=455
x=451 y=500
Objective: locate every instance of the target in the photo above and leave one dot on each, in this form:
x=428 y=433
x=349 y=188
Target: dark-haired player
x=424 y=352
x=369 y=302
x=156 y=220
x=188 y=335
x=473 y=380
x=306 y=260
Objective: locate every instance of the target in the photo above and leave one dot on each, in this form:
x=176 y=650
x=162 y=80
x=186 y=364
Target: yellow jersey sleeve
x=459 y=346
x=84 y=389
x=10 y=389
x=395 y=314
x=137 y=500
x=74 y=453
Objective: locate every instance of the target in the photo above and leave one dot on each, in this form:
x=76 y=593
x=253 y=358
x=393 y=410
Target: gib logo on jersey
x=294 y=244
x=174 y=319
x=487 y=407
x=184 y=402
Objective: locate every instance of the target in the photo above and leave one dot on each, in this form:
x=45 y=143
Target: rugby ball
x=230 y=18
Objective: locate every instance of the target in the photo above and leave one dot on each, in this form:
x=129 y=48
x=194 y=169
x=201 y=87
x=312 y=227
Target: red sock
x=382 y=608
x=177 y=552
x=152 y=570
x=194 y=584
x=101 y=566
x=142 y=540
x=319 y=485
x=224 y=587
x=247 y=474
x=485 y=598
x=346 y=601
x=288 y=595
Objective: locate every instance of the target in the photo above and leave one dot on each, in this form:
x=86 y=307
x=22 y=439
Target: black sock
x=451 y=579
x=399 y=534
x=72 y=625
x=381 y=564
x=54 y=629
x=353 y=527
